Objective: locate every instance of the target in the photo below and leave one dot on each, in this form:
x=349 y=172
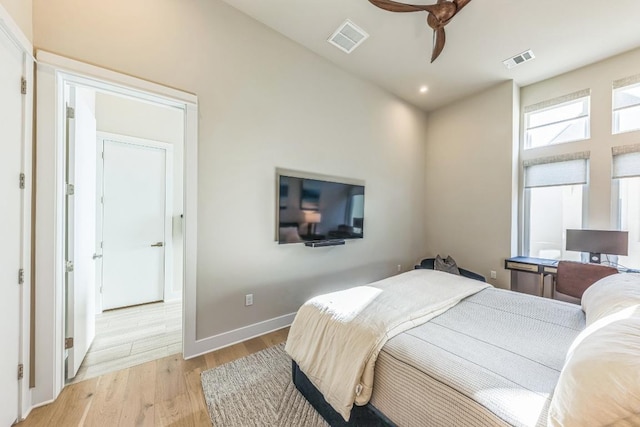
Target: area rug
x=257 y=391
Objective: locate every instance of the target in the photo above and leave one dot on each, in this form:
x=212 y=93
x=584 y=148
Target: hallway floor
x=131 y=336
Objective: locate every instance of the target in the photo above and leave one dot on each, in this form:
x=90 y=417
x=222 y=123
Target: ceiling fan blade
x=393 y=6
x=439 y=39
x=461 y=3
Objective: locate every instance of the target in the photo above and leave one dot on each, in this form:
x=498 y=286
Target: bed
x=494 y=358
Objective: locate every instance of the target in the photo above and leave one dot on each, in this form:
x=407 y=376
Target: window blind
x=626 y=161
x=569 y=169
x=557 y=101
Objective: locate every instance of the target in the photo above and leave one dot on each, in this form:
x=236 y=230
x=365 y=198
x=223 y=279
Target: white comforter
x=335 y=338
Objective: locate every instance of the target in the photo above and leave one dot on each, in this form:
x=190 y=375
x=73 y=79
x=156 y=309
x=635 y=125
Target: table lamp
x=312 y=218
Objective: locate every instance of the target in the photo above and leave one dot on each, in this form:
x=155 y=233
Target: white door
x=134 y=213
x=81 y=225
x=11 y=67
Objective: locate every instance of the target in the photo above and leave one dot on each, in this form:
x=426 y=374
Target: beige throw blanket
x=335 y=338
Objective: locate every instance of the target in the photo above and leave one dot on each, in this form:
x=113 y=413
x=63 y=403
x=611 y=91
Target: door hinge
x=68 y=266
x=71 y=113
x=68 y=343
x=70 y=189
x=20 y=371
x=23 y=179
x=23 y=86
x=21 y=276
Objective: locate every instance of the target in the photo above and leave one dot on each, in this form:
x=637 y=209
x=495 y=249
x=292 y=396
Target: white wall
x=21 y=12
x=264 y=102
x=470 y=181
x=124 y=116
x=599 y=78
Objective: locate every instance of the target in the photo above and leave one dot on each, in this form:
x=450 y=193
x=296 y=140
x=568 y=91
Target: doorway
x=123 y=221
x=54 y=74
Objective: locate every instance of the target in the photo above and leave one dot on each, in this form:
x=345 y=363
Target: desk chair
x=573 y=278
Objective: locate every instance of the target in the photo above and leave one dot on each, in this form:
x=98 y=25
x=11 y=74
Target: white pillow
x=611 y=294
x=600 y=381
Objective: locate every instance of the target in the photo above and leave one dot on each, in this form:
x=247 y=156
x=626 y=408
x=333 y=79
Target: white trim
x=54 y=73
x=124 y=84
x=168 y=293
x=235 y=336
x=190 y=232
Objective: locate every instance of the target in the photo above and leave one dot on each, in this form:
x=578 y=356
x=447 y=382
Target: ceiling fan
x=439 y=15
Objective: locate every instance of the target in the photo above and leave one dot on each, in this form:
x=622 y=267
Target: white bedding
x=335 y=338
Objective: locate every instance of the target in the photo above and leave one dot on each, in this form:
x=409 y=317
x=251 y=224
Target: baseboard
x=235 y=336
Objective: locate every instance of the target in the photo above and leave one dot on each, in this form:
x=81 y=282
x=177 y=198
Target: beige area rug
x=257 y=391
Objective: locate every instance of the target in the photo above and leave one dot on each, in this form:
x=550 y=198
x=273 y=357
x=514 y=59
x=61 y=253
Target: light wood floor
x=130 y=336
x=164 y=392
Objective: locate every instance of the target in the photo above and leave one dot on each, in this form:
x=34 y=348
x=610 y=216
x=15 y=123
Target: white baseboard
x=245 y=333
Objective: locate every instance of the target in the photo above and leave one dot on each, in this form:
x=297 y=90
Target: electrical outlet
x=399 y=268
x=494 y=275
x=248 y=299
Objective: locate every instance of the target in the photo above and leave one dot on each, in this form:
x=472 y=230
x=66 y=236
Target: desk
x=527 y=272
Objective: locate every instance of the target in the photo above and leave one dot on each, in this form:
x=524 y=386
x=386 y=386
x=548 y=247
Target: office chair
x=573 y=278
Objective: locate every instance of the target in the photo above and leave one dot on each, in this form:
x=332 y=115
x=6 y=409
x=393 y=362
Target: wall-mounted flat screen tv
x=314 y=208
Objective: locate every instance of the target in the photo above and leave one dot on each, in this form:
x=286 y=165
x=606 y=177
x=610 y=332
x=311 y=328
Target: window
x=556 y=121
x=626 y=105
x=554 y=199
x=626 y=185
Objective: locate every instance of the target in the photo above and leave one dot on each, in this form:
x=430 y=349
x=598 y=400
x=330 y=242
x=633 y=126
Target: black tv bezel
x=318 y=177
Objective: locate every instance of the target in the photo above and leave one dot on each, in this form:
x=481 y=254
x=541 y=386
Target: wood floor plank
x=255 y=345
x=68 y=410
x=226 y=355
x=140 y=396
x=107 y=403
x=276 y=337
x=165 y=392
x=198 y=411
x=171 y=391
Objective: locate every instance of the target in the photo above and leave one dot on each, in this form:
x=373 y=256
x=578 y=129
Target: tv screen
x=318 y=210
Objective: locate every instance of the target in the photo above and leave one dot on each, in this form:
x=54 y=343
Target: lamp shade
x=312 y=217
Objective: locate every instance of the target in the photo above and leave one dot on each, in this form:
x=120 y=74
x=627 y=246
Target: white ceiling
x=563 y=34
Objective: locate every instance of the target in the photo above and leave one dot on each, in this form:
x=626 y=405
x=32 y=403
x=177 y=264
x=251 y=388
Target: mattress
x=492 y=360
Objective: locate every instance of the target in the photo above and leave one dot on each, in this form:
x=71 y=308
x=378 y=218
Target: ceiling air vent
x=520 y=58
x=348 y=36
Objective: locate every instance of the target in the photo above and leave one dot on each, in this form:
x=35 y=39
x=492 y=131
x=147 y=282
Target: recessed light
x=424 y=89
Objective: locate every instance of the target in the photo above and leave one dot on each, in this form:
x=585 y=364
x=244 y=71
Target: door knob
x=96 y=256
x=157 y=245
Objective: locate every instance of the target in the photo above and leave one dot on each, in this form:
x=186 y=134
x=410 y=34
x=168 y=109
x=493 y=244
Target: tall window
x=626 y=105
x=626 y=185
x=558 y=120
x=554 y=199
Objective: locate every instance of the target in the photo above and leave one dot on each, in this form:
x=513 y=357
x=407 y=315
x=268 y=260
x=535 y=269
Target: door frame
x=14 y=34
x=54 y=72
x=168 y=293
